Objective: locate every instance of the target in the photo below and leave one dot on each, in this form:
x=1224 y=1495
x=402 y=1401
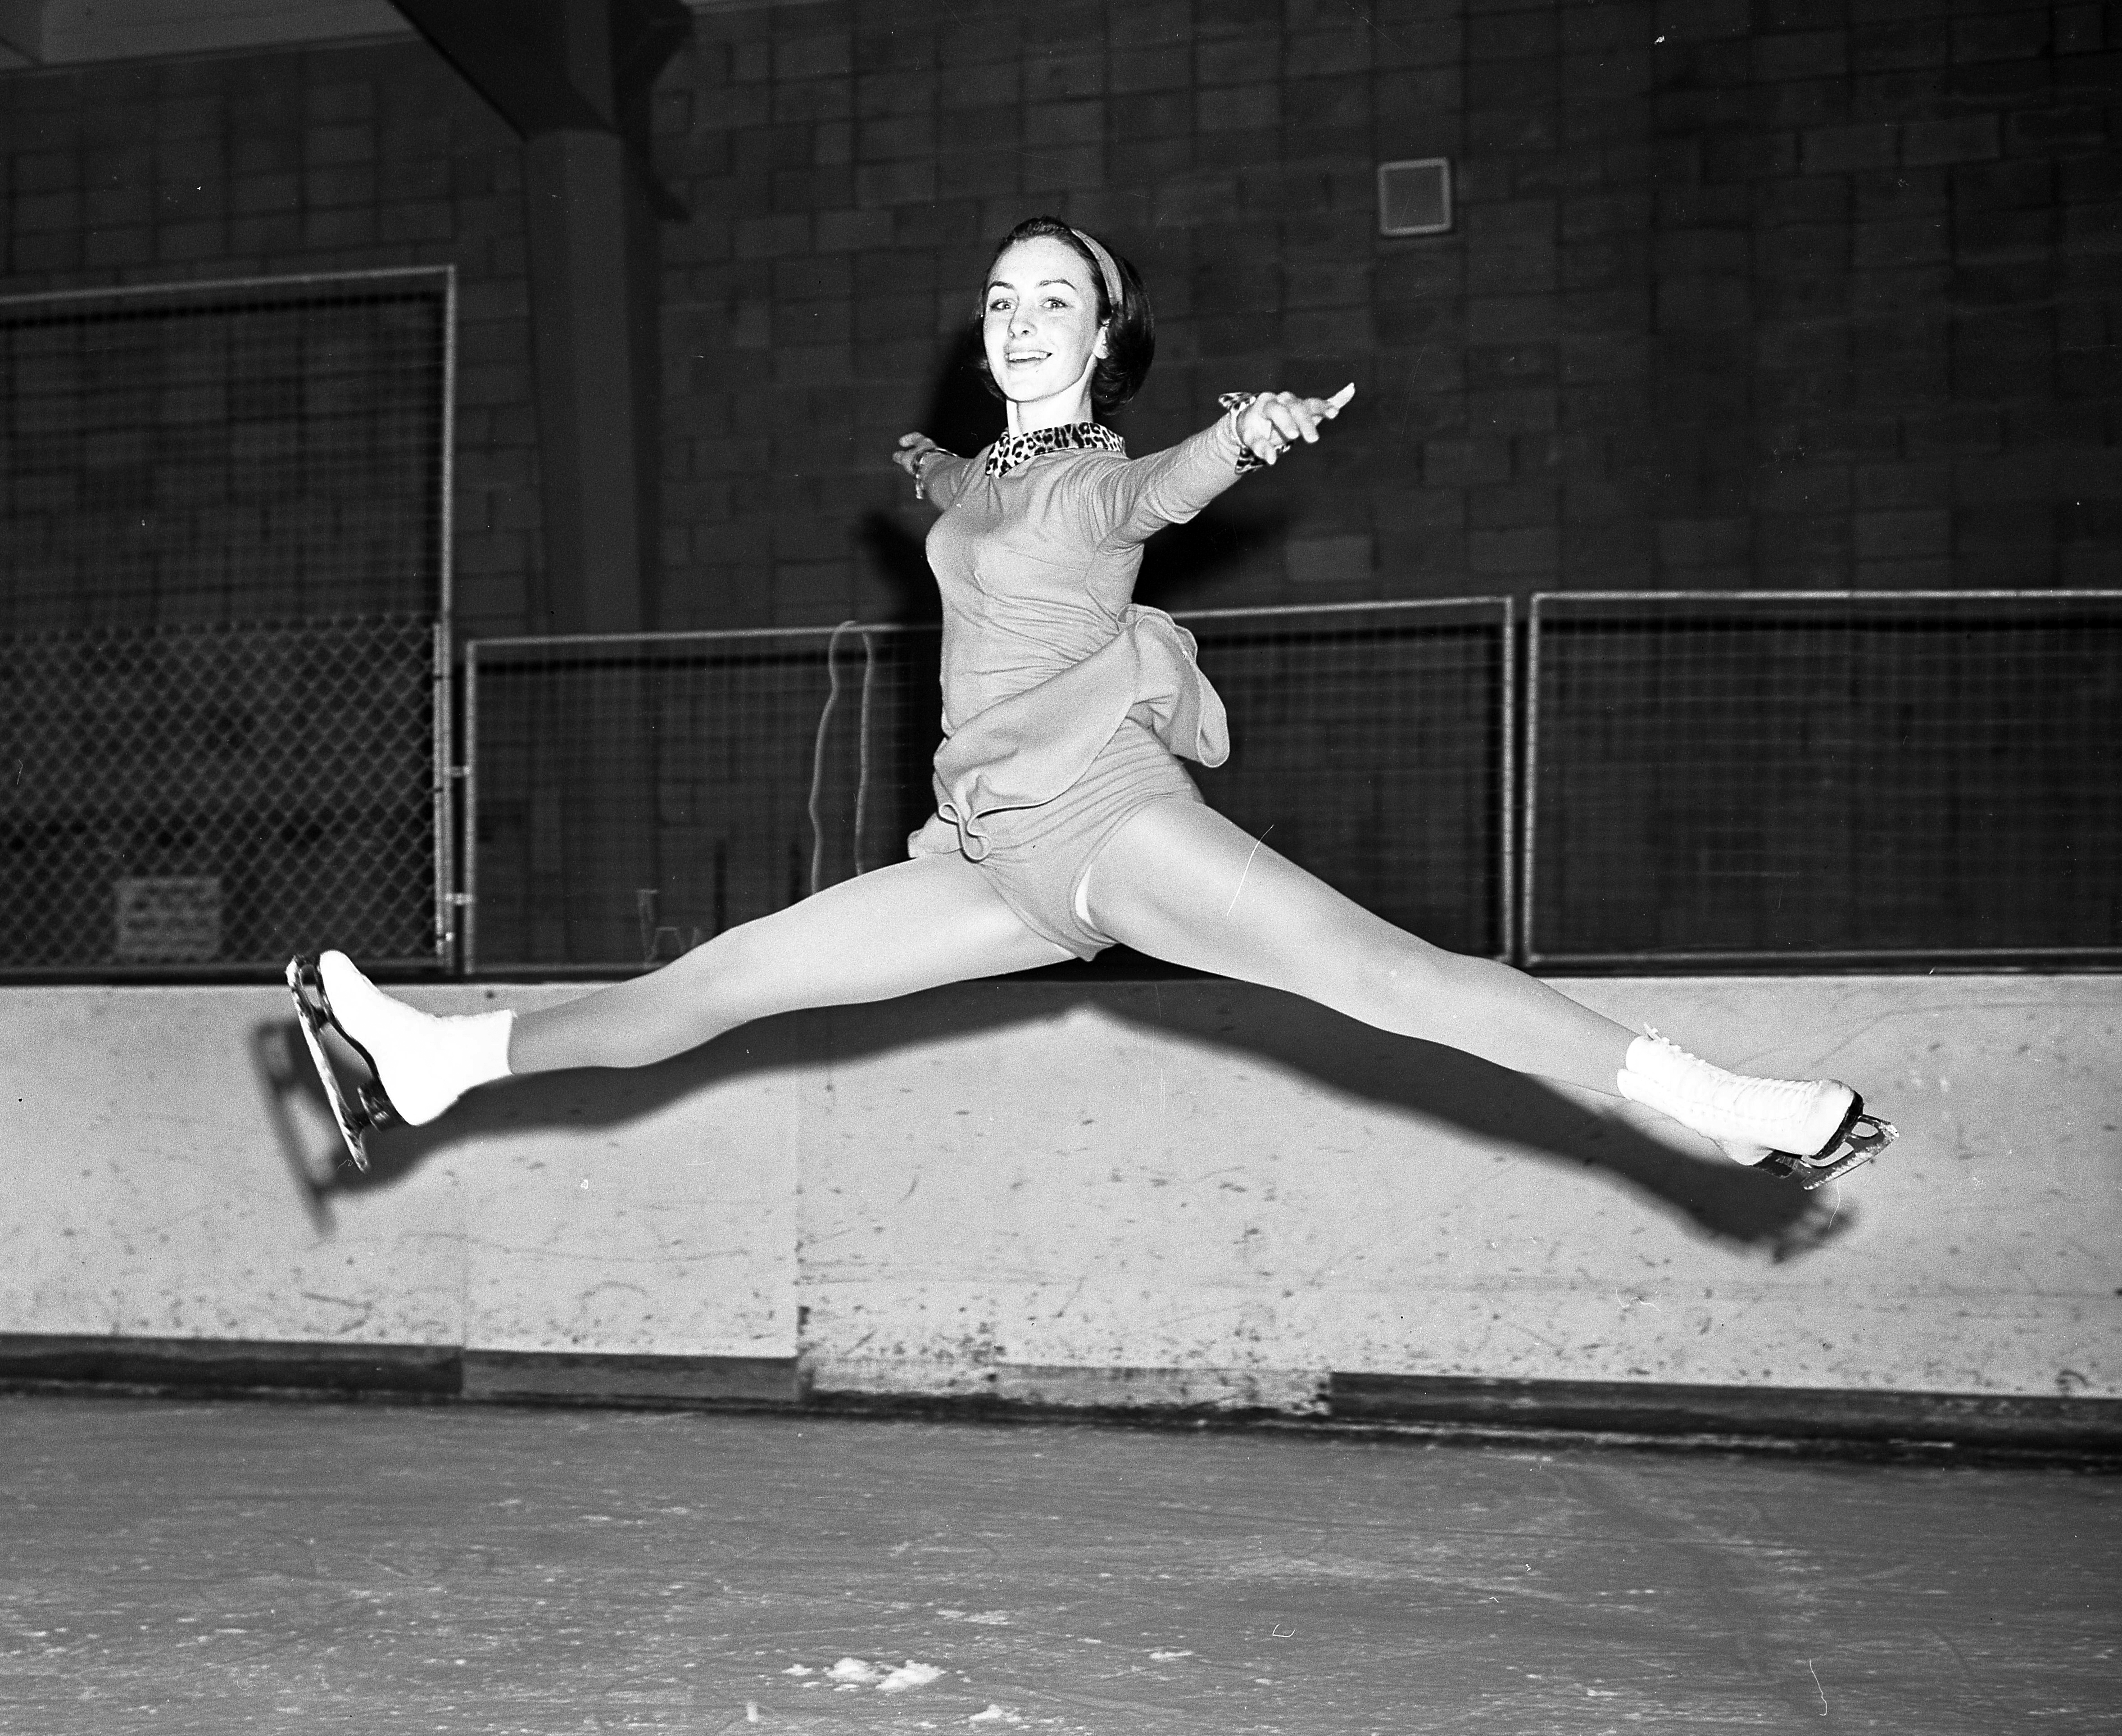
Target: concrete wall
x=1159 y=1192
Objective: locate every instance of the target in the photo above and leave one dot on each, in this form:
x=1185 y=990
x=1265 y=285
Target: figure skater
x=1063 y=821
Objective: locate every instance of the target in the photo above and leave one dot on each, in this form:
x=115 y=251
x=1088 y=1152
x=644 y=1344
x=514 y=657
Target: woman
x=1064 y=822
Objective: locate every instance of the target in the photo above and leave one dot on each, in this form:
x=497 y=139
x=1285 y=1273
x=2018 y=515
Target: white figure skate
x=419 y=1064
x=1809 y=1131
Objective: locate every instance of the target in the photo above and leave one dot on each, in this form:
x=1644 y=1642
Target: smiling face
x=1040 y=326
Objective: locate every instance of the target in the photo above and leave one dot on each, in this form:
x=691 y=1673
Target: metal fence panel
x=1770 y=776
x=219 y=797
x=631 y=796
x=1372 y=744
x=224 y=602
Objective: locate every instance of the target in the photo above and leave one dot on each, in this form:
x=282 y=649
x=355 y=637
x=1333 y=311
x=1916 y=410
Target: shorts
x=1040 y=856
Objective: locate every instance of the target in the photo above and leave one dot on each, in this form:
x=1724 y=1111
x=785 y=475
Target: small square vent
x=1414 y=198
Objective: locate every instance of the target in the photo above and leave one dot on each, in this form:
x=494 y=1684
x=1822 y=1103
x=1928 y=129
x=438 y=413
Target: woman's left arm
x=1137 y=499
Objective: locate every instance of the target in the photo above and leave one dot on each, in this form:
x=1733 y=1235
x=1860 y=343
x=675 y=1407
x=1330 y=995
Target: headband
x=1106 y=268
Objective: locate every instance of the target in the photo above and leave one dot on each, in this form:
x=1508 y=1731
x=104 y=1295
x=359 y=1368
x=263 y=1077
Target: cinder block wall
x=1805 y=293
x=338 y=159
x=1799 y=292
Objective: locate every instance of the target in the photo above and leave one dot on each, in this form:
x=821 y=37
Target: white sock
x=479 y=1044
x=424 y=1063
x=1637 y=1061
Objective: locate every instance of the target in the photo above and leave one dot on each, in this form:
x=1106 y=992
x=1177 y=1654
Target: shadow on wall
x=1722 y=1202
x=963 y=416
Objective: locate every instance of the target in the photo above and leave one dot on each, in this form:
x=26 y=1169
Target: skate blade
x=368 y=1109
x=1860 y=1139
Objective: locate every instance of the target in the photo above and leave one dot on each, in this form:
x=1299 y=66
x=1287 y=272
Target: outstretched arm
x=1138 y=498
x=938 y=475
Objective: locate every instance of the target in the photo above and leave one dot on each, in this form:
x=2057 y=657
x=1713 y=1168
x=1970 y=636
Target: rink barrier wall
x=1170 y=1200
x=2080 y=1429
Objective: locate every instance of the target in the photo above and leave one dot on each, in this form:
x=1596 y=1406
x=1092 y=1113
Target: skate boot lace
x=1705 y=1083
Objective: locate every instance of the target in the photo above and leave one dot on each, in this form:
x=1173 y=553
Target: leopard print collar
x=1012 y=450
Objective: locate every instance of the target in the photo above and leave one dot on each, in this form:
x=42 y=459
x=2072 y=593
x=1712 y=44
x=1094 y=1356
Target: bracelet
x=1235 y=402
x=920 y=487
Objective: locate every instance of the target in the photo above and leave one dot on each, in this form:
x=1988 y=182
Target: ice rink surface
x=236 y=1567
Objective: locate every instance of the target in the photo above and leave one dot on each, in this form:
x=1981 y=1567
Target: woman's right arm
x=939 y=476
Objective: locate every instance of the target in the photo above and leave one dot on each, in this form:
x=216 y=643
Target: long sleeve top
x=1046 y=652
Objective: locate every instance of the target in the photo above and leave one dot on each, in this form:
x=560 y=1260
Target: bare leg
x=917 y=924
x=1179 y=882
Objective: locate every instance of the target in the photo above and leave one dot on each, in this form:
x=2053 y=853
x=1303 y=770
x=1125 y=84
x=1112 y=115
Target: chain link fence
x=224 y=579
x=1711 y=780
x=632 y=796
x=629 y=796
x=189 y=800
x=1772 y=778
x=1371 y=744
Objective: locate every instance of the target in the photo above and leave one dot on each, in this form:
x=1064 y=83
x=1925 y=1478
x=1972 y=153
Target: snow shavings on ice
x=861 y=1672
x=855 y=1669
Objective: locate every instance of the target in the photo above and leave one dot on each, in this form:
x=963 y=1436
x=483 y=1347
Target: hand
x=913 y=448
x=1273 y=421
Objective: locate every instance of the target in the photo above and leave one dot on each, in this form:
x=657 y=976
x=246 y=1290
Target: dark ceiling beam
x=563 y=66
x=514 y=52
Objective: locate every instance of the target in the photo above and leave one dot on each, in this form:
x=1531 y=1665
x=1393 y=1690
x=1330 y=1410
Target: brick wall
x=1814 y=293
x=332 y=159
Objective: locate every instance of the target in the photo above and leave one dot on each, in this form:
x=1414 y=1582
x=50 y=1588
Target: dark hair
x=1130 y=327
